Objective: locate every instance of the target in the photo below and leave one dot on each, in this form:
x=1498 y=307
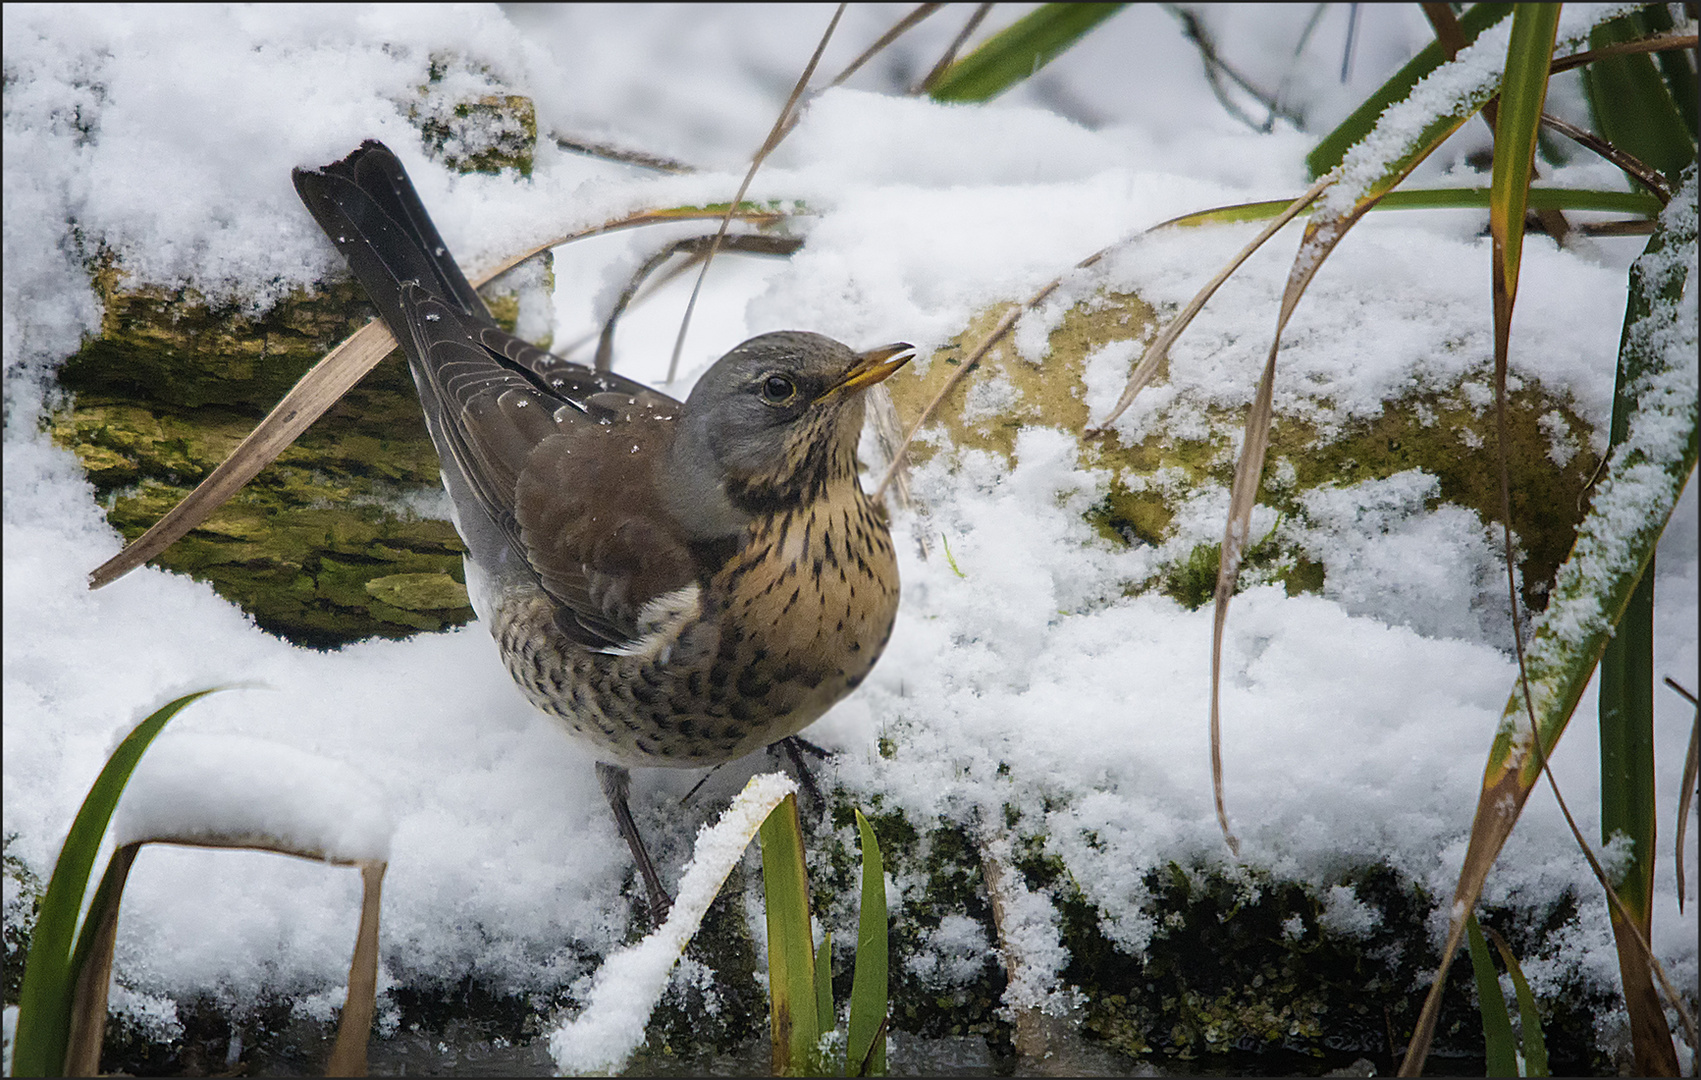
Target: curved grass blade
x=1691 y=765
x=1334 y=146
x=1152 y=360
x=1498 y=1044
x=866 y=1044
x=1615 y=543
x=44 y=1004
x=1016 y=52
x=1529 y=1016
x=796 y=1027
x=1405 y=134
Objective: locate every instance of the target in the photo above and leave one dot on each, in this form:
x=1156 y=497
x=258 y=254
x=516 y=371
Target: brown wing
x=538 y=459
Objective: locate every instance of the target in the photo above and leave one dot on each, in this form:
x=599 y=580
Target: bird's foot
x=616 y=781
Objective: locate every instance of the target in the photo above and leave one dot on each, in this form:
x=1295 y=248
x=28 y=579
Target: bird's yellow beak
x=873 y=366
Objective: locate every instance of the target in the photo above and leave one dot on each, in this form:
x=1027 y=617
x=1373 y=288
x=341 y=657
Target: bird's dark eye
x=778 y=390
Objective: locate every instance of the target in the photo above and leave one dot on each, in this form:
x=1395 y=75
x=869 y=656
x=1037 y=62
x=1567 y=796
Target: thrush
x=678 y=583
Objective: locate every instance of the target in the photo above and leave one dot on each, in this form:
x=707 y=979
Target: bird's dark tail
x=367 y=206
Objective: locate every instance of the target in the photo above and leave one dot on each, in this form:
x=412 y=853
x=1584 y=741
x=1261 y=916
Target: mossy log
x=1449 y=434
x=346 y=535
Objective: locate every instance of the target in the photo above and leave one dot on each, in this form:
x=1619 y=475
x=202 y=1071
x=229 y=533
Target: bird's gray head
x=770 y=424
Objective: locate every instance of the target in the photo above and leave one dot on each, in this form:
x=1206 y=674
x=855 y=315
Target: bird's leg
x=793 y=747
x=615 y=781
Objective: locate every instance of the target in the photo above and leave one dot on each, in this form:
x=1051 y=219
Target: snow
x=235 y=790
x=1031 y=688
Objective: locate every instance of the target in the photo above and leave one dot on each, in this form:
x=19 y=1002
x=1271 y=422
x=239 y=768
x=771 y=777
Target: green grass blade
x=1498 y=1044
x=824 y=1013
x=1530 y=1017
x=1632 y=107
x=1019 y=50
x=1626 y=695
x=1626 y=721
x=44 y=1002
x=1334 y=145
x=868 y=1002
x=791 y=957
x=1476 y=198
x=1523 y=93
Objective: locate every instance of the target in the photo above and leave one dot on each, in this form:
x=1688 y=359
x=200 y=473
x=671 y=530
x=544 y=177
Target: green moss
x=1243 y=966
x=296 y=546
x=487 y=134
x=418 y=592
x=175 y=347
x=1192 y=581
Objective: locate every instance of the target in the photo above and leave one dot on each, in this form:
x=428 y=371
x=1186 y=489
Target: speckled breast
x=789 y=626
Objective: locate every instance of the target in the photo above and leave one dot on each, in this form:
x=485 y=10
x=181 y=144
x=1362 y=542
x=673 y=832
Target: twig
x=775 y=134
x=921 y=12
x=696 y=247
x=950 y=54
x=1647 y=176
x=625 y=156
x=1671 y=39
x=1216 y=67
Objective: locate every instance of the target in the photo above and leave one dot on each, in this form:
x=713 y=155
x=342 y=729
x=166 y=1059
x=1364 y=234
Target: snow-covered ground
x=1356 y=723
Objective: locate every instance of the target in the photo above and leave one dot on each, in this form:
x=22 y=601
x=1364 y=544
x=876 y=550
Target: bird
x=679 y=583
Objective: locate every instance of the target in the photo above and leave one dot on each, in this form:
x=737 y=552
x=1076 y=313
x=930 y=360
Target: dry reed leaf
x=320 y=388
x=88 y=1001
x=1320 y=240
x=354 y=1028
